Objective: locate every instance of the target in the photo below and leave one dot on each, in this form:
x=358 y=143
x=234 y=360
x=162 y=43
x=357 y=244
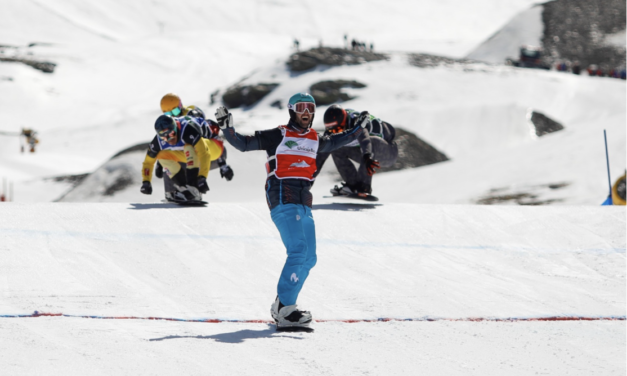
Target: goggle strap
x=172 y=112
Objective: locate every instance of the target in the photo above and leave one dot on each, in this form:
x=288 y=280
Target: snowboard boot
x=344 y=190
x=362 y=188
x=190 y=193
x=289 y=316
x=175 y=196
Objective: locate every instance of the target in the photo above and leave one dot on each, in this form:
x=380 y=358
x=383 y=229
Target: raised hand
x=224 y=118
x=363 y=119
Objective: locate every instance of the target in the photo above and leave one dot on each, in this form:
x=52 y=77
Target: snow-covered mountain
x=113 y=68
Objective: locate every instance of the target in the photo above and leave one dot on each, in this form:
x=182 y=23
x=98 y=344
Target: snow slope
x=116 y=59
x=524 y=28
x=476 y=114
x=440 y=267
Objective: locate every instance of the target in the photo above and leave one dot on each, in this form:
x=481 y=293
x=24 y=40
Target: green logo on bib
x=291 y=144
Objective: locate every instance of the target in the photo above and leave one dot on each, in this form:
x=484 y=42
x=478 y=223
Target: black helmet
x=197 y=113
x=335 y=118
x=166 y=127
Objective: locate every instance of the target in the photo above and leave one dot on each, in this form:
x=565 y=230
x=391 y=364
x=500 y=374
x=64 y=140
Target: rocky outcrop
x=238 y=96
x=524 y=195
x=575 y=30
x=544 y=124
x=306 y=60
x=413 y=152
x=115 y=175
x=428 y=61
x=329 y=92
x=44 y=66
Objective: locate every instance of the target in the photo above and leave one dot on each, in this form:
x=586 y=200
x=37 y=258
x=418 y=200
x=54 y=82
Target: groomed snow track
x=444 y=289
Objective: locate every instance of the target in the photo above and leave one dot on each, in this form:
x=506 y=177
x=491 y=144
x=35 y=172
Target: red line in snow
x=348 y=321
x=489 y=319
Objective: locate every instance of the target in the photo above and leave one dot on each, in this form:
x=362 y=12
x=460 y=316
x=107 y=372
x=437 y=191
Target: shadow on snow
x=345 y=206
x=164 y=205
x=236 y=337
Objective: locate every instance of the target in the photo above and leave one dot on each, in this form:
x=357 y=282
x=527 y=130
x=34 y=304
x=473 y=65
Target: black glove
x=224 y=118
x=159 y=170
x=363 y=119
x=146 y=188
x=226 y=172
x=202 y=186
x=371 y=164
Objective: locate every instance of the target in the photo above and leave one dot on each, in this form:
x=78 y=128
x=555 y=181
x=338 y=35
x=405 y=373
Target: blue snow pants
x=298 y=232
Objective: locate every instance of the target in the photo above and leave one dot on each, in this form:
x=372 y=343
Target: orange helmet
x=171 y=101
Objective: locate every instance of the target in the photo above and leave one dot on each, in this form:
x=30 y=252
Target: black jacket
x=287 y=191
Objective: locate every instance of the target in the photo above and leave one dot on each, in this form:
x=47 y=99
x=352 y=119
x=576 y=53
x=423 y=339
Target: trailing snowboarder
x=291 y=151
x=172 y=105
x=373 y=149
x=179 y=142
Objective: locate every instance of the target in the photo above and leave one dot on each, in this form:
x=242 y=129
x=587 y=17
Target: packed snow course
x=452 y=290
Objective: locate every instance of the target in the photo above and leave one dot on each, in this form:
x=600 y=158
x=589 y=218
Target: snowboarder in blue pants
x=291 y=150
x=299 y=237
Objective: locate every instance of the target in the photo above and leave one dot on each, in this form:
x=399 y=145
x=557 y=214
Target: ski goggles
x=300 y=107
x=176 y=111
x=167 y=134
x=334 y=128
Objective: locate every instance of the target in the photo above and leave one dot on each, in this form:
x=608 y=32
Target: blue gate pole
x=609 y=180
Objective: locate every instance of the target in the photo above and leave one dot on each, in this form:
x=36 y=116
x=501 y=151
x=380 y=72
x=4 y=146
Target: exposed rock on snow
x=413 y=152
x=238 y=96
x=585 y=32
x=427 y=61
x=577 y=30
x=302 y=61
x=528 y=195
x=117 y=174
x=12 y=54
x=544 y=124
x=277 y=104
x=44 y=66
x=329 y=92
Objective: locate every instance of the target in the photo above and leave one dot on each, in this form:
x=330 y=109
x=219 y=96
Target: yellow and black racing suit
x=192 y=149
